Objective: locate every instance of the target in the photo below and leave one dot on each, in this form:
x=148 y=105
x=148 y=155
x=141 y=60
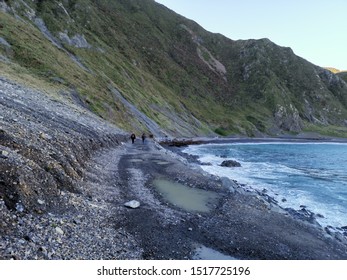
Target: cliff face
x=141 y=66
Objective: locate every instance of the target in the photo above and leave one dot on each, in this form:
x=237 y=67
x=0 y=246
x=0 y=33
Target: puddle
x=205 y=253
x=136 y=160
x=186 y=198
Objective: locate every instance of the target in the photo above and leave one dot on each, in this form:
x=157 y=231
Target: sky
x=315 y=29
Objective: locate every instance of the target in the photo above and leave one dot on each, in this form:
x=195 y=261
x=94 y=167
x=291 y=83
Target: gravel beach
x=237 y=224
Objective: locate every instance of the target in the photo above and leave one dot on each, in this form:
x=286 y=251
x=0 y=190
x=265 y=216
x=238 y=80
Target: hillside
x=143 y=67
x=76 y=76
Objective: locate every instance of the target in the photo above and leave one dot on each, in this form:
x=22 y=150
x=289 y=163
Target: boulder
x=230 y=163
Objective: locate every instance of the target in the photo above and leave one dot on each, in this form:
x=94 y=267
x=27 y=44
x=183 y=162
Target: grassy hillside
x=185 y=79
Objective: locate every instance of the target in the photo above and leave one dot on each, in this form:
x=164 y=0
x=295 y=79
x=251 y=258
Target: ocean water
x=295 y=174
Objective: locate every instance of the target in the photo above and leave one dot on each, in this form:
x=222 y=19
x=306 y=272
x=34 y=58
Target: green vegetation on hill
x=187 y=80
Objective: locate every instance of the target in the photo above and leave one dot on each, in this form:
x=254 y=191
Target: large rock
x=288 y=118
x=230 y=163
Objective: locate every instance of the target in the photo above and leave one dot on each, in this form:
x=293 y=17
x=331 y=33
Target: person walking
x=143 y=138
x=133 y=137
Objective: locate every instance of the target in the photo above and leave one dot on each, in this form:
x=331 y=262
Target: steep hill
x=144 y=67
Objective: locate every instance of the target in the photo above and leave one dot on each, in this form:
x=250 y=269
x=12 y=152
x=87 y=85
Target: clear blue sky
x=315 y=29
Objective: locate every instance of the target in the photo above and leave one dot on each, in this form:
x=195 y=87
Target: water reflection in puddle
x=205 y=253
x=186 y=198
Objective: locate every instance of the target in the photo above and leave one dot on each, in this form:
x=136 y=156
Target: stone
x=19 y=207
x=132 y=204
x=41 y=202
x=230 y=163
x=4 y=154
x=45 y=136
x=206 y=163
x=59 y=230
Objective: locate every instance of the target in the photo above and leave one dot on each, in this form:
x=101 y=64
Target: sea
x=308 y=174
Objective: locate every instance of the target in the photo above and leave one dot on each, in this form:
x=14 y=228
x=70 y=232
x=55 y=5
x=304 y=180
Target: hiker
x=133 y=137
x=143 y=138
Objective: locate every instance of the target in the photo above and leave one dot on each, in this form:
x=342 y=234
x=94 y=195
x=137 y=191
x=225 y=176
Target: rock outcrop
x=230 y=163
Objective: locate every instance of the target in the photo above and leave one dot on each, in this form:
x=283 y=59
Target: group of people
x=133 y=137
